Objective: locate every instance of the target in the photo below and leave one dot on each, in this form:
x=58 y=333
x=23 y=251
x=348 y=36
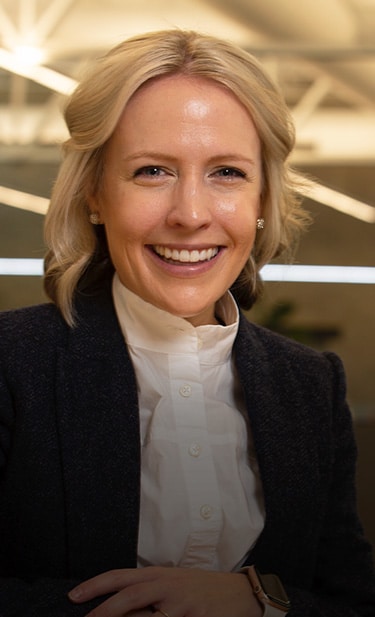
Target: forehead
x=195 y=92
x=181 y=80
x=185 y=110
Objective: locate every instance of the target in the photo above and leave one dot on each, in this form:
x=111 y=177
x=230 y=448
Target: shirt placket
x=197 y=463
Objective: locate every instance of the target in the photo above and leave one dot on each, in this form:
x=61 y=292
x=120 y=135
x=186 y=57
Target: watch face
x=274 y=590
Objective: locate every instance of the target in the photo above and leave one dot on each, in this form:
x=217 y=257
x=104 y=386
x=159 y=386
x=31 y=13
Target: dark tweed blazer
x=70 y=463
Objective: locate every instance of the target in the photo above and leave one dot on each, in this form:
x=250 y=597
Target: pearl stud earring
x=94 y=218
x=260 y=223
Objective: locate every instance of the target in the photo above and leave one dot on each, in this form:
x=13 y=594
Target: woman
x=155 y=446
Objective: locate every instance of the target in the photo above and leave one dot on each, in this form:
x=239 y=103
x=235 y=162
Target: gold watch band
x=269 y=591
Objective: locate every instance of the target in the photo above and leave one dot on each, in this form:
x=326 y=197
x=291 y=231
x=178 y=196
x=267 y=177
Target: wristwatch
x=269 y=591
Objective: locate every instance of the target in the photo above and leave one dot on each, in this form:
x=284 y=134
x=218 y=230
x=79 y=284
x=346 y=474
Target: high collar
x=151 y=328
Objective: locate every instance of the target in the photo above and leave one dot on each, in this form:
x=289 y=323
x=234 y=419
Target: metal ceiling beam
x=26 y=19
x=317 y=52
x=323 y=22
x=311 y=100
x=326 y=23
x=51 y=17
x=8 y=30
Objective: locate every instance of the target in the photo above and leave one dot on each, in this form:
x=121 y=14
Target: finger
x=136 y=597
x=102 y=584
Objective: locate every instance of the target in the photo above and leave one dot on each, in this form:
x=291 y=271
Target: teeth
x=186 y=256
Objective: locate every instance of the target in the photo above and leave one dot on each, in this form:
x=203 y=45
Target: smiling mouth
x=185 y=256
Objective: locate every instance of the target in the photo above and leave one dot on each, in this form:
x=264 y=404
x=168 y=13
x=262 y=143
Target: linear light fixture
x=24 y=201
x=53 y=80
x=21 y=267
x=339 y=201
x=318 y=274
x=28 y=55
x=272 y=272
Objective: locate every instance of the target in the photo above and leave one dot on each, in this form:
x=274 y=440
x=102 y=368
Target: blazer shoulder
x=283 y=353
x=30 y=326
x=29 y=316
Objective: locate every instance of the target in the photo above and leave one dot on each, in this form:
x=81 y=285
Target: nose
x=190 y=206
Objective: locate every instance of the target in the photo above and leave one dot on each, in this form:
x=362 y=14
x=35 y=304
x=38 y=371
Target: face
x=181 y=194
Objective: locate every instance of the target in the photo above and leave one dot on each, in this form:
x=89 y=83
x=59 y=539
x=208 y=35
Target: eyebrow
x=167 y=157
x=148 y=154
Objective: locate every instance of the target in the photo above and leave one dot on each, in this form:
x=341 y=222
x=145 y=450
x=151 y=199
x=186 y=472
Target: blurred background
x=321 y=53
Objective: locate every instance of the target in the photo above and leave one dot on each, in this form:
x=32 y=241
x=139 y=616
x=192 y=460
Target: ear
x=94 y=209
x=93 y=203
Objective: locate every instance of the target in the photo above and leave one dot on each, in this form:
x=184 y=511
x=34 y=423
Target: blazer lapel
x=100 y=445
x=282 y=421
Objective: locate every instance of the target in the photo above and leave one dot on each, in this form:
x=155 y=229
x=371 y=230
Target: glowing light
x=21 y=267
x=336 y=200
x=319 y=274
x=24 y=201
x=40 y=74
x=364 y=275
x=28 y=55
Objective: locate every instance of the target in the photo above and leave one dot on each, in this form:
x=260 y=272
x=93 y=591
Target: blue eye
x=150 y=171
x=230 y=172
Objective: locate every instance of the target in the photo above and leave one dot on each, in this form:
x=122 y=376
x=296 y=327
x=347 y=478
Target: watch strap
x=272 y=611
x=269 y=603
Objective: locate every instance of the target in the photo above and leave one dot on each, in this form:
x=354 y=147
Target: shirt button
x=195 y=449
x=206 y=512
x=185 y=390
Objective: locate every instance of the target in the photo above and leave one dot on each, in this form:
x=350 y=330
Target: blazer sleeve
x=303 y=435
x=55 y=527
x=41 y=598
x=19 y=598
x=344 y=583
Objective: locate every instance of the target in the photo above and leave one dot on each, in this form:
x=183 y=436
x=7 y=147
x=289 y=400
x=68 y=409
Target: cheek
x=126 y=234
x=240 y=222
x=127 y=217
x=245 y=244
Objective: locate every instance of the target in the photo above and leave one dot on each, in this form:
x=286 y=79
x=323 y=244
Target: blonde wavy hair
x=75 y=247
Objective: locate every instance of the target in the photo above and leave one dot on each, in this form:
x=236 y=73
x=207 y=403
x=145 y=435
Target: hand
x=179 y=592
x=147 y=612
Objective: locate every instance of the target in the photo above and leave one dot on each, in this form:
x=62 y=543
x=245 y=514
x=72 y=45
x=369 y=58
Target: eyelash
x=147 y=169
x=225 y=172
x=229 y=172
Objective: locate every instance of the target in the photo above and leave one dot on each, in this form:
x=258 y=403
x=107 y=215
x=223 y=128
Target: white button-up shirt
x=201 y=502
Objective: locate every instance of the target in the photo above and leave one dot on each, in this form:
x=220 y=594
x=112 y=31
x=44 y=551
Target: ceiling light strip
x=271 y=272
x=21 y=267
x=40 y=74
x=318 y=274
x=339 y=201
x=24 y=201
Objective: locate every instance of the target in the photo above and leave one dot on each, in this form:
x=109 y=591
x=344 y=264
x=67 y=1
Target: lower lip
x=183 y=269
